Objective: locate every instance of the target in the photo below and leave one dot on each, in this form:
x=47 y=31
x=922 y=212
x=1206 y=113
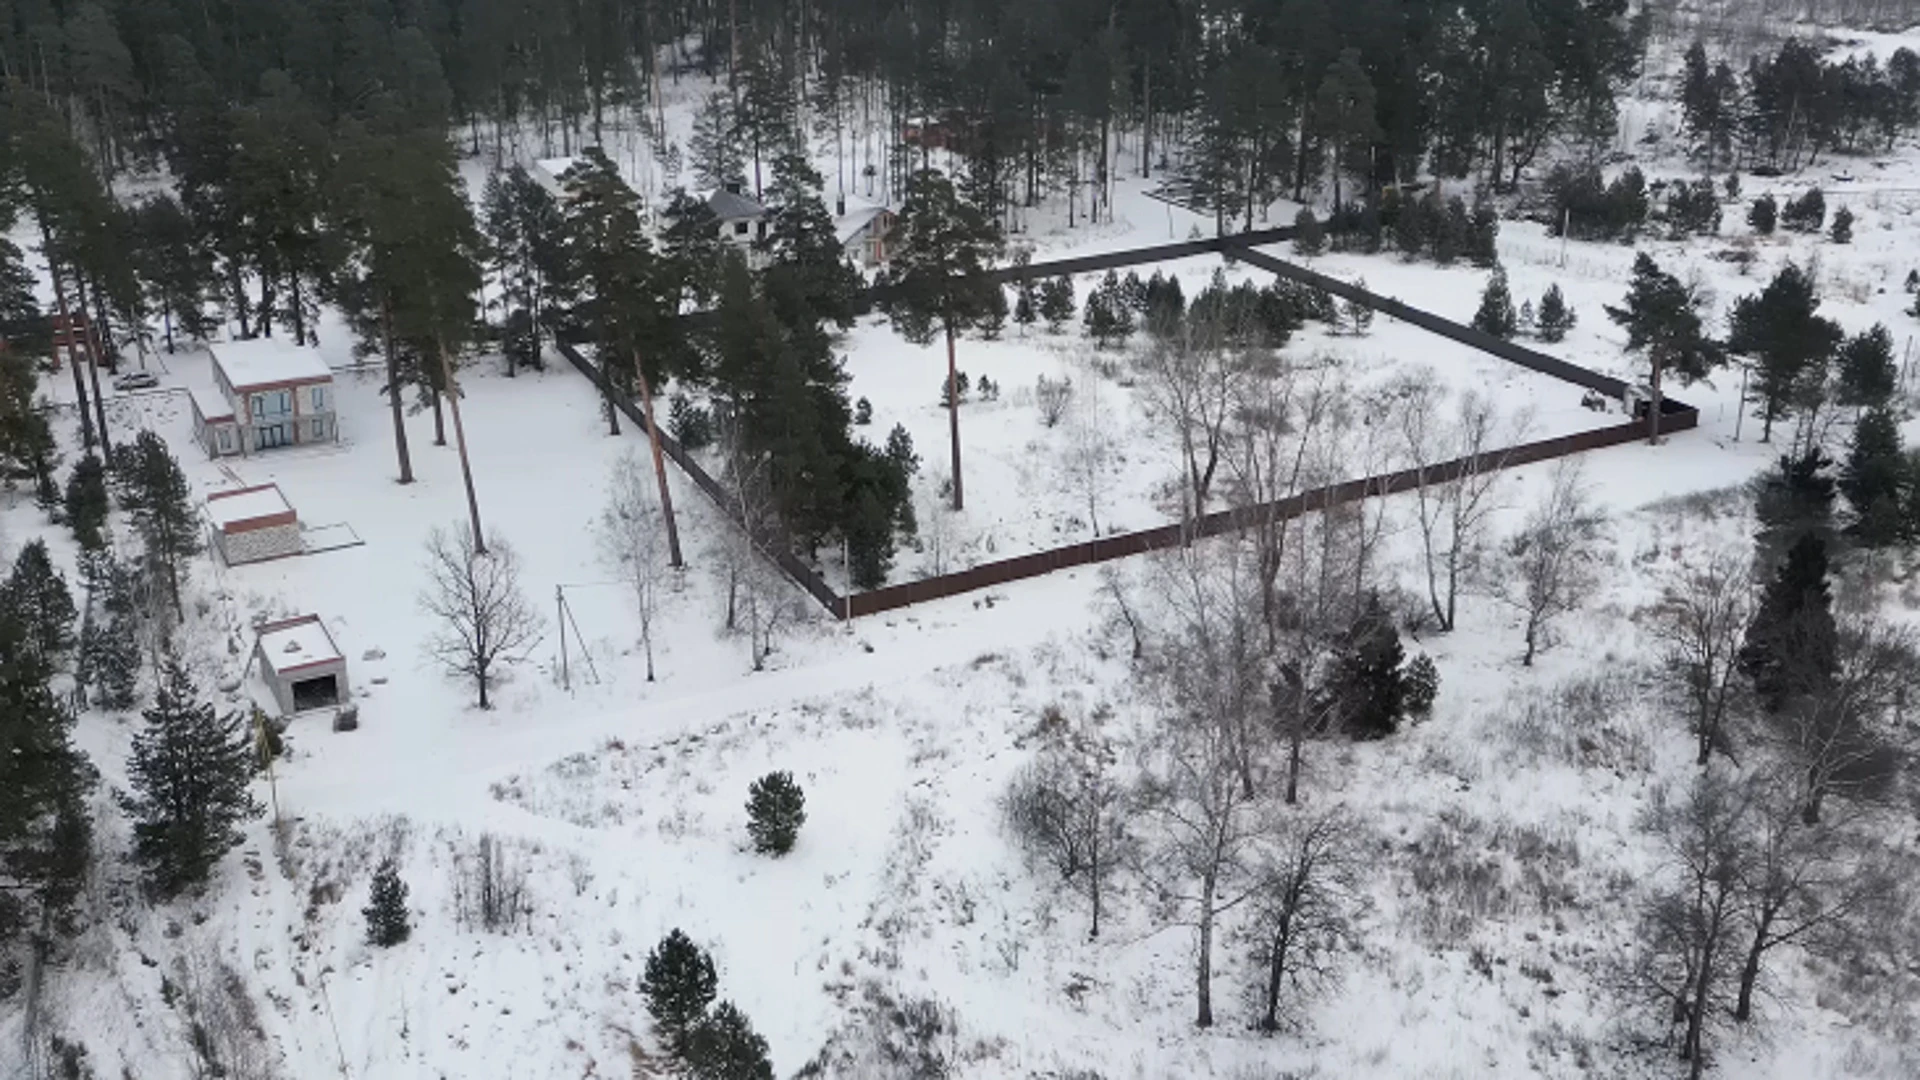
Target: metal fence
x=1675 y=416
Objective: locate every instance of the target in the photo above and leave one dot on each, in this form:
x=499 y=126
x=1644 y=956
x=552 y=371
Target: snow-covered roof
x=548 y=171
x=269 y=362
x=733 y=206
x=245 y=508
x=210 y=402
x=296 y=644
x=848 y=225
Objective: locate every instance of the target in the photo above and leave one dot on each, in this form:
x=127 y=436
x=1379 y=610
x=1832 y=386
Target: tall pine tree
x=1780 y=327
x=1790 y=647
x=163 y=513
x=1662 y=319
x=45 y=833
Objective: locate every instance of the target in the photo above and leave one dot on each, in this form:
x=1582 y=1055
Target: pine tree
x=1874 y=478
x=1790 y=647
x=161 y=501
x=1419 y=685
x=678 y=985
x=869 y=534
x=1662 y=319
x=36 y=594
x=45 y=833
x=1555 y=318
x=940 y=284
x=110 y=645
x=1496 y=315
x=1807 y=214
x=724 y=1046
x=1023 y=313
x=1842 y=226
x=1056 y=302
x=1309 y=239
x=175 y=265
x=86 y=503
x=388 y=923
x=1867 y=377
x=776 y=808
x=713 y=151
x=995 y=319
x=1780 y=327
x=189 y=771
x=1763 y=215
x=801 y=242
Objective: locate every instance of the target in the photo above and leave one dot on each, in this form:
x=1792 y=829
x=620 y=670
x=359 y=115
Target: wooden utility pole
x=560 y=620
x=659 y=470
x=460 y=439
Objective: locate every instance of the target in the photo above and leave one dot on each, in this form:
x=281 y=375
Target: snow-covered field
x=1509 y=862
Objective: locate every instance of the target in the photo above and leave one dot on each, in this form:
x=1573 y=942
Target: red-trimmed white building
x=267 y=392
x=251 y=524
x=301 y=664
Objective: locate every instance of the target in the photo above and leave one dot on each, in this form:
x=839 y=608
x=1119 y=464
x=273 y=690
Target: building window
x=319 y=429
x=739 y=228
x=762 y=230
x=225 y=438
x=319 y=398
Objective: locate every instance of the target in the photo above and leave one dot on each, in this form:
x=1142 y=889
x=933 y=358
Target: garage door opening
x=315 y=693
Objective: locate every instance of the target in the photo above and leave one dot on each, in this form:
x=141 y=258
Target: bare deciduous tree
x=1554 y=559
x=630 y=537
x=1700 y=620
x=1052 y=396
x=1796 y=882
x=1839 y=731
x=1089 y=453
x=484 y=617
x=1688 y=960
x=1451 y=511
x=1209 y=828
x=1309 y=888
x=1067 y=806
x=1208 y=667
x=1191 y=383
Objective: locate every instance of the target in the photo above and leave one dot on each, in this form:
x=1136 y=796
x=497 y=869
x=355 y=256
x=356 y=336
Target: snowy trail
x=425 y=774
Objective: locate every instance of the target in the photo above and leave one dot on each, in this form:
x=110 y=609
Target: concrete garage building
x=301 y=664
x=253 y=523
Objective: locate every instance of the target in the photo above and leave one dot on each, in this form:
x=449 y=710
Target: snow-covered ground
x=1510 y=859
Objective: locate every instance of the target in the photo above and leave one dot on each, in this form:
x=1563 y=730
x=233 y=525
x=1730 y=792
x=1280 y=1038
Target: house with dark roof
x=743 y=220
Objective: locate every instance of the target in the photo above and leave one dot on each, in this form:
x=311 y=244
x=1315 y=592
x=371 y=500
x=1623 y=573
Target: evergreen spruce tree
x=1056 y=302
x=869 y=535
x=1419 y=685
x=161 y=501
x=1166 y=307
x=862 y=412
x=1496 y=315
x=995 y=319
x=1781 y=328
x=36 y=595
x=1309 y=238
x=1875 y=479
x=1790 y=646
x=1366 y=680
x=86 y=503
x=388 y=923
x=1842 y=226
x=1763 y=215
x=188 y=771
x=45 y=833
x=1483 y=234
x=110 y=656
x=1554 y=317
x=678 y=984
x=1023 y=312
x=724 y=1046
x=776 y=808
x=1867 y=377
x=1807 y=214
x=1792 y=499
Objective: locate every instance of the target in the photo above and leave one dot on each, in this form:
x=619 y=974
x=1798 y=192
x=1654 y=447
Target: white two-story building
x=267 y=392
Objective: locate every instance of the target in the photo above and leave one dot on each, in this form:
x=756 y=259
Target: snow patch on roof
x=269 y=362
x=229 y=508
x=730 y=206
x=209 y=402
x=297 y=643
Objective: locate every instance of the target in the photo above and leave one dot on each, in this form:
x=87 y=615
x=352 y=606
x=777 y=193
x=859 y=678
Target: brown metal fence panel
x=1675 y=416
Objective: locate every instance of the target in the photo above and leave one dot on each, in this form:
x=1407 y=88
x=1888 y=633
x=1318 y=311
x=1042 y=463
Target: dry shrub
x=1468 y=870
x=1587 y=721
